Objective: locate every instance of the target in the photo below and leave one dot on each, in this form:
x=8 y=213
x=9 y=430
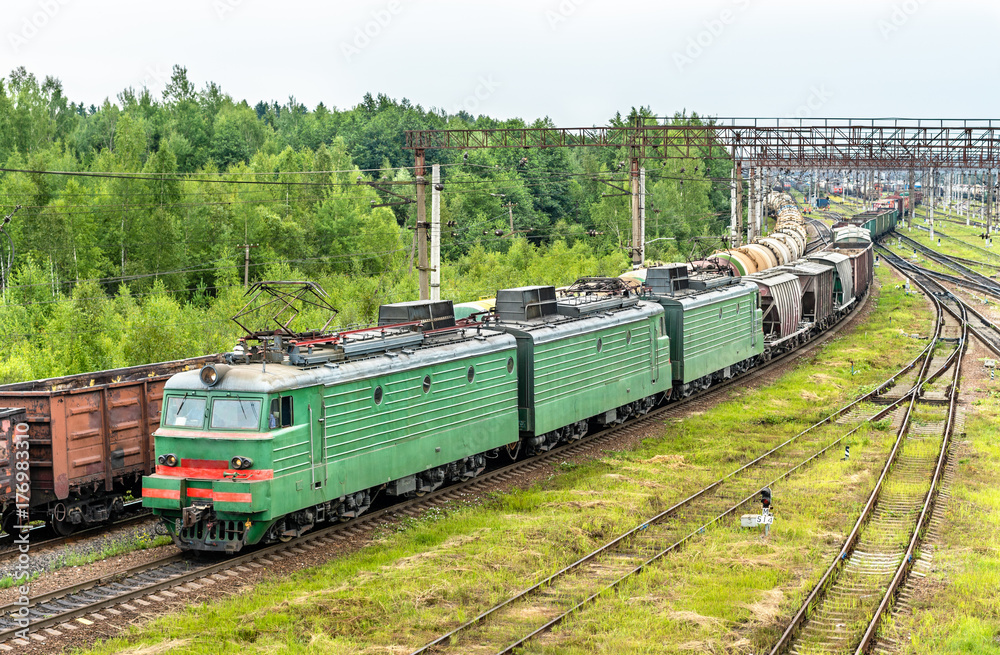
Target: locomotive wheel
x=59 y=521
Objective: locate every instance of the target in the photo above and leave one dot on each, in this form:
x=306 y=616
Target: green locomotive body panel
x=332 y=434
x=712 y=329
x=573 y=369
x=412 y=430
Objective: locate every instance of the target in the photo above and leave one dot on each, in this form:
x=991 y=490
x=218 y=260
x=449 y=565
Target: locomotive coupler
x=191 y=514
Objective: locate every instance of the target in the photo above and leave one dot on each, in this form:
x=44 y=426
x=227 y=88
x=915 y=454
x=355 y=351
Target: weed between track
x=729 y=589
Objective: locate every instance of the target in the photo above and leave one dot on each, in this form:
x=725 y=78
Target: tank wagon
x=785 y=244
x=90 y=440
x=298 y=431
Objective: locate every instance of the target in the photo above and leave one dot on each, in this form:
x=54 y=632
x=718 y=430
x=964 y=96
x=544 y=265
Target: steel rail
x=945 y=260
x=609 y=546
x=907 y=562
x=819 y=589
x=988 y=332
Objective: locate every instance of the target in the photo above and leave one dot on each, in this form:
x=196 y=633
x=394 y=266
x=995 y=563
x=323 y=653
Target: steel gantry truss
x=887 y=143
x=783 y=143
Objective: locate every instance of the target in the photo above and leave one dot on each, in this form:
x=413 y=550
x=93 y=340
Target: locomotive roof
x=690 y=298
x=558 y=326
x=273 y=377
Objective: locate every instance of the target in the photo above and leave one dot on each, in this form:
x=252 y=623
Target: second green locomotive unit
x=300 y=430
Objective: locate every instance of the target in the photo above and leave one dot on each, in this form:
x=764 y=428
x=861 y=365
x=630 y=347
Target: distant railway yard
x=830 y=488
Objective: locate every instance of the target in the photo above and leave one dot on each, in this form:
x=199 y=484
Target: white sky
x=576 y=61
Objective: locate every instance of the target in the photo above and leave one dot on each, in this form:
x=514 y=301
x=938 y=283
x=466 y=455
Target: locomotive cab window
x=280 y=415
x=235 y=414
x=185 y=412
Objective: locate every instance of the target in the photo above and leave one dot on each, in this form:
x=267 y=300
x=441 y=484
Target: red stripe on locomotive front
x=213 y=473
x=220 y=496
x=169 y=494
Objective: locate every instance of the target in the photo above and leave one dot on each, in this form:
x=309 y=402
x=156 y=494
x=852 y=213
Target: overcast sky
x=575 y=61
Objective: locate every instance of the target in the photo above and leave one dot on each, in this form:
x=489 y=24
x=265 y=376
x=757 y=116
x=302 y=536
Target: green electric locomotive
x=305 y=431
x=309 y=428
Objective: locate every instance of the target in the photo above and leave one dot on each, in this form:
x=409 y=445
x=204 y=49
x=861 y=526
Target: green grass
x=8 y=581
x=726 y=589
x=141 y=542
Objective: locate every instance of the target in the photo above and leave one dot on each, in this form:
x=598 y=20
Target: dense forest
x=129 y=243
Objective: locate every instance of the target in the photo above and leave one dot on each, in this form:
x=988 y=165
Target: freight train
x=305 y=429
x=296 y=430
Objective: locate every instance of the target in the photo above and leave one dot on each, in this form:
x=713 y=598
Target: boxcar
x=91 y=438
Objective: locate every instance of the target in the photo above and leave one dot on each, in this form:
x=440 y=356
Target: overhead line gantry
x=788 y=143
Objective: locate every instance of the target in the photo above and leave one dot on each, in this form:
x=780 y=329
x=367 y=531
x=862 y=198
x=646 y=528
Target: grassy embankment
x=724 y=591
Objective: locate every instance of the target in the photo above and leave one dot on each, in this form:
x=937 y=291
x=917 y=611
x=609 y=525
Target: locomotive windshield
x=185 y=412
x=238 y=414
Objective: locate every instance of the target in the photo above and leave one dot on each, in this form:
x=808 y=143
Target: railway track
x=512 y=623
x=177 y=571
x=983 y=328
x=137 y=515
x=843 y=612
x=951 y=263
x=824 y=234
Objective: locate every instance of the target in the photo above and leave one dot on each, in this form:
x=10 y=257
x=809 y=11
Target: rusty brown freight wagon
x=90 y=439
x=10 y=417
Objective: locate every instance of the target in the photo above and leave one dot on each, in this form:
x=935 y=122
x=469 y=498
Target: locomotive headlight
x=168 y=460
x=211 y=373
x=240 y=463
